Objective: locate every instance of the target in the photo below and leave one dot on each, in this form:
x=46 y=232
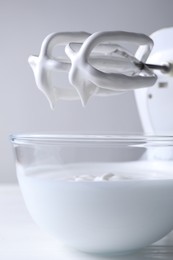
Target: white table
x=21 y=239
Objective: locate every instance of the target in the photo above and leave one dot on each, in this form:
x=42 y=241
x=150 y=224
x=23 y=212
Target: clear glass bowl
x=98 y=193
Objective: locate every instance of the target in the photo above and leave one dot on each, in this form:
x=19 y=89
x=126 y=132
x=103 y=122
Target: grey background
x=23 y=26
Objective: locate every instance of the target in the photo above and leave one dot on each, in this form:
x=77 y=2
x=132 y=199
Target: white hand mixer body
x=95 y=63
x=155 y=105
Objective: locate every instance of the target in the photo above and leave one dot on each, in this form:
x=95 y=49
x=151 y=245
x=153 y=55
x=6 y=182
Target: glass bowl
x=104 y=194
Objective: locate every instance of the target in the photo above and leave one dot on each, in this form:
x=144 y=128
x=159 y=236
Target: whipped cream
x=104 y=172
x=95 y=63
x=101 y=217
x=104 y=177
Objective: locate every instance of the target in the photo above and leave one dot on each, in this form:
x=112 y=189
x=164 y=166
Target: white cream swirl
x=104 y=177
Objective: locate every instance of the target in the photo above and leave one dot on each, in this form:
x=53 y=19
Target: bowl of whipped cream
x=101 y=194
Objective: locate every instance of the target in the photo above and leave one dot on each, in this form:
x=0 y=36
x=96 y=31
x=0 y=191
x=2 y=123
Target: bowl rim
x=129 y=138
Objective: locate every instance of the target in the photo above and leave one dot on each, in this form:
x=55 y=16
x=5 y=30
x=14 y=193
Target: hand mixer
x=155 y=105
x=96 y=64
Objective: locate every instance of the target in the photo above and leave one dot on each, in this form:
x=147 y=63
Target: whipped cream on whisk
x=95 y=64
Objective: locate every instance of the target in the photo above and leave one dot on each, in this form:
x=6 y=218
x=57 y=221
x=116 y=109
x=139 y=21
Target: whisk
x=96 y=64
